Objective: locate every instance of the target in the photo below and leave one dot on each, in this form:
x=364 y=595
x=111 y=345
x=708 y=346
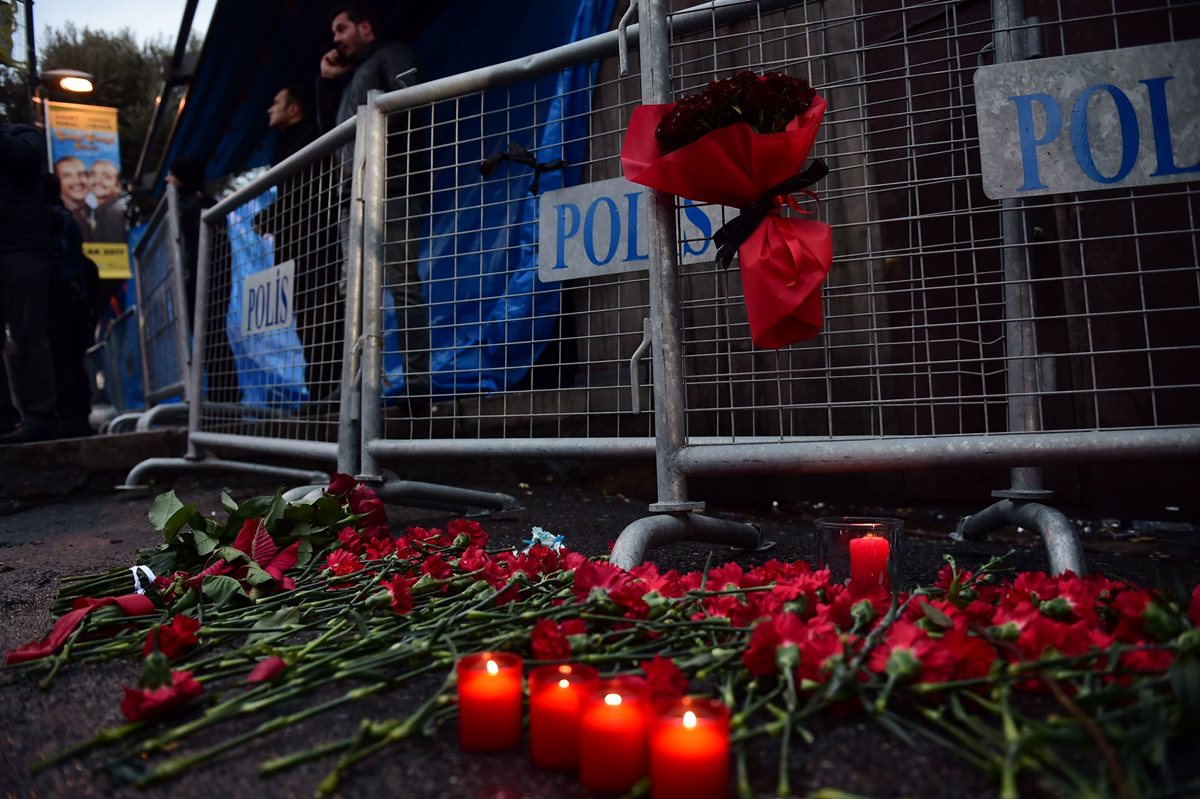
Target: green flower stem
x=1012 y=748
x=385 y=734
x=783 y=786
x=62 y=657
x=742 y=774
x=107 y=736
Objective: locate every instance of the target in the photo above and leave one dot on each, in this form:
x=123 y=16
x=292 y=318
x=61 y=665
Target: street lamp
x=71 y=80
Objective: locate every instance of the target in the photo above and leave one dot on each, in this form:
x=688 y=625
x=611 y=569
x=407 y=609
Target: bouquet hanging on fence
x=741 y=142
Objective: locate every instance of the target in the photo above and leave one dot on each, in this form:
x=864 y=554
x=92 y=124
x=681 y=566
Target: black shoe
x=25 y=434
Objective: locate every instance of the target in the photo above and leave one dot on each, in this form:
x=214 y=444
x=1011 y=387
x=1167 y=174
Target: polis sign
x=1103 y=120
x=267 y=299
x=600 y=229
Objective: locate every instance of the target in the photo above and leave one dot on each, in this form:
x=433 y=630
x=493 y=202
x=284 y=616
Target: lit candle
x=613 y=736
x=556 y=695
x=689 y=750
x=489 y=702
x=868 y=560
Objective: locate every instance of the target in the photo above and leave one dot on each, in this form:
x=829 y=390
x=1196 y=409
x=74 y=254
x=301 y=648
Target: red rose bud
x=266 y=670
x=341 y=484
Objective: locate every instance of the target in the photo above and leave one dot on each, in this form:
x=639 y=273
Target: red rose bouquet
x=741 y=142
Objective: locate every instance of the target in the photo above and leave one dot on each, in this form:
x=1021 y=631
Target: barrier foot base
x=175 y=413
x=1062 y=542
x=655 y=531
x=441 y=497
x=136 y=479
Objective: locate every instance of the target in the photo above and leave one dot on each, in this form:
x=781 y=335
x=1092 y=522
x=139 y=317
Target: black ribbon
x=519 y=155
x=734 y=232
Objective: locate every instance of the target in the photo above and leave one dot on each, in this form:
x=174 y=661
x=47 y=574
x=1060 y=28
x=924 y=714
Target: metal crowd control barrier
x=959 y=330
x=494 y=362
x=278 y=266
x=162 y=319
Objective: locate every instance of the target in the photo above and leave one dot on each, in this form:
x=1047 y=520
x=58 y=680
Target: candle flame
x=564 y=683
x=492 y=668
x=689 y=719
x=612 y=699
x=564 y=669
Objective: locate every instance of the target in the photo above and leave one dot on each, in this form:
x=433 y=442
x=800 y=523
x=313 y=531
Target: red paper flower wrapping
x=784 y=262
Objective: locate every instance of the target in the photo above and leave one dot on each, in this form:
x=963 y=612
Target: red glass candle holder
x=613 y=734
x=863 y=550
x=556 y=695
x=689 y=749
x=489 y=702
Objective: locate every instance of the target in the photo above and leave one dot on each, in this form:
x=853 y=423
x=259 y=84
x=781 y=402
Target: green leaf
x=304 y=553
x=278 y=505
x=256 y=506
x=284 y=617
x=205 y=543
x=257 y=576
x=168 y=515
x=228 y=503
x=220 y=588
x=327 y=510
x=232 y=555
x=298 y=513
x=936 y=616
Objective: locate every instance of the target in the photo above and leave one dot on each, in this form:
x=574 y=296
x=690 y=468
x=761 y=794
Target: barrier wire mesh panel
x=914 y=336
x=479 y=343
x=163 y=326
x=275 y=307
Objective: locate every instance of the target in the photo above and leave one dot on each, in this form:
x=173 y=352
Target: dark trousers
x=70 y=336
x=24 y=302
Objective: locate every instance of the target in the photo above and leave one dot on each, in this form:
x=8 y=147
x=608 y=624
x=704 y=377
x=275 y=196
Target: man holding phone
x=359 y=63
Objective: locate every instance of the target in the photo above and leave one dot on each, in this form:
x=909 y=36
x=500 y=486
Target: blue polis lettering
x=267 y=308
x=564 y=211
x=589 y=230
x=631 y=237
x=700 y=219
x=1081 y=144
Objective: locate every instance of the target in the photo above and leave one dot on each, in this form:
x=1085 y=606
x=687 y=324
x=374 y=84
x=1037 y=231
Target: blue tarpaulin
x=489 y=314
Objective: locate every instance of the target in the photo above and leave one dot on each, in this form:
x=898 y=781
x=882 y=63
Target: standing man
x=360 y=62
x=304 y=229
x=25 y=239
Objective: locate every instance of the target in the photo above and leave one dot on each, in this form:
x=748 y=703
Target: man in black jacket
x=360 y=62
x=304 y=228
x=25 y=239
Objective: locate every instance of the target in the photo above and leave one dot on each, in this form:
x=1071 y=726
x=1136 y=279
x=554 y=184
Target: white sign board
x=1103 y=120
x=267 y=299
x=599 y=229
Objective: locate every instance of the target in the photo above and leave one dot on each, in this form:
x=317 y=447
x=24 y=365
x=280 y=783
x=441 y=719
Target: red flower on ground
x=1194 y=607
x=254 y=540
x=400 y=590
x=1131 y=609
x=366 y=503
x=266 y=670
x=341 y=484
x=351 y=540
x=933 y=661
x=768 y=637
x=666 y=680
x=727 y=575
x=549 y=641
x=173 y=639
x=597 y=575
x=472 y=559
x=342 y=562
x=144 y=704
x=436 y=567
x=470 y=528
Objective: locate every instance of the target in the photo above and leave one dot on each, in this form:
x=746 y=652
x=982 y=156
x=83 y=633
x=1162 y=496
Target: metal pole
x=31 y=57
x=199 y=328
x=350 y=408
x=665 y=323
x=372 y=266
x=1024 y=411
x=178 y=290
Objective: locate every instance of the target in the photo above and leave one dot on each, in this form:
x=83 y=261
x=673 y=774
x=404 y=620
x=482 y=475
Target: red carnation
x=342 y=562
x=173 y=639
x=597 y=575
x=470 y=528
x=1194 y=607
x=778 y=631
x=266 y=670
x=549 y=641
x=667 y=681
x=728 y=575
x=436 y=567
x=400 y=589
x=143 y=704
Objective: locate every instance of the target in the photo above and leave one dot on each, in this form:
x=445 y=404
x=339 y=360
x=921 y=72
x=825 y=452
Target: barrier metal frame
x=1025 y=447
x=162 y=230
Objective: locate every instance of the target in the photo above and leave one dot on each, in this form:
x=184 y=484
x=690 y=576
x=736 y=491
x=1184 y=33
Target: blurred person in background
x=25 y=241
x=105 y=183
x=73 y=175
